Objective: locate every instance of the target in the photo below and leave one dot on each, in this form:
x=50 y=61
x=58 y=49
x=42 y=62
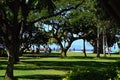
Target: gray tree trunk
x=104 y=43
x=98 y=44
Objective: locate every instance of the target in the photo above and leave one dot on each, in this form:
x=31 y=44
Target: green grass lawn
x=53 y=67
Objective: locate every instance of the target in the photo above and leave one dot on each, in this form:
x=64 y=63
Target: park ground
x=53 y=67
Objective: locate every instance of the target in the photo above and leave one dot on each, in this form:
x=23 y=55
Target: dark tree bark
x=10 y=65
x=95 y=47
x=101 y=45
x=65 y=49
x=84 y=48
x=12 y=46
x=64 y=53
x=11 y=51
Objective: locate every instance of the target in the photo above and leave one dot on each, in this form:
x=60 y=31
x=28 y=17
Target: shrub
x=3 y=53
x=92 y=74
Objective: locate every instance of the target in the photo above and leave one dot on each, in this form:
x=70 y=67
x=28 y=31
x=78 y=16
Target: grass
x=53 y=67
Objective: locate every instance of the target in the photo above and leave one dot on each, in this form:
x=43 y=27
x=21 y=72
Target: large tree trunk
x=65 y=48
x=12 y=46
x=13 y=57
x=16 y=55
x=10 y=65
x=99 y=46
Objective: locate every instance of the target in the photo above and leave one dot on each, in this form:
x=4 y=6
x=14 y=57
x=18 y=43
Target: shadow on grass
x=3 y=62
x=1 y=65
x=80 y=57
x=93 y=57
x=40 y=77
x=59 y=65
x=42 y=55
x=111 y=58
x=35 y=77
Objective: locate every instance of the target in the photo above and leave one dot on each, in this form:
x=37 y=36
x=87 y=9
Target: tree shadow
x=3 y=63
x=111 y=58
x=62 y=65
x=41 y=77
x=93 y=57
x=42 y=55
x=80 y=57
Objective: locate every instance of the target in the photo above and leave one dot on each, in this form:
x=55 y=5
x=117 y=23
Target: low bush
x=92 y=74
x=3 y=53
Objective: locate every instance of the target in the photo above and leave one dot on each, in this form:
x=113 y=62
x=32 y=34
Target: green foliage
x=83 y=19
x=3 y=53
x=52 y=40
x=41 y=38
x=92 y=74
x=66 y=3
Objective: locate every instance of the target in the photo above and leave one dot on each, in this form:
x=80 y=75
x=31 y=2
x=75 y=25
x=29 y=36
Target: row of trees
x=69 y=20
x=87 y=22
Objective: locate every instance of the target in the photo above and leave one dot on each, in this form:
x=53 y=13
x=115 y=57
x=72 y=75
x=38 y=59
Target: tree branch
x=56 y=14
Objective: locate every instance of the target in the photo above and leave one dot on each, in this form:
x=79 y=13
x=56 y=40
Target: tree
x=74 y=28
x=79 y=23
x=13 y=22
x=61 y=33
